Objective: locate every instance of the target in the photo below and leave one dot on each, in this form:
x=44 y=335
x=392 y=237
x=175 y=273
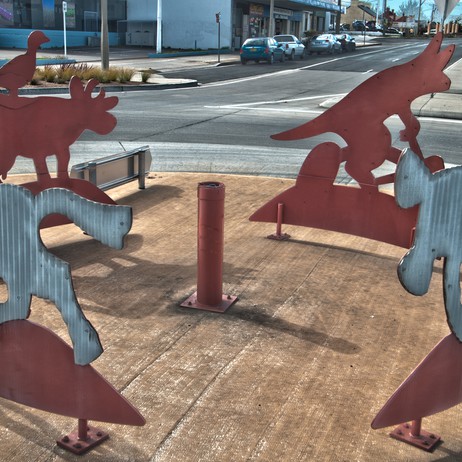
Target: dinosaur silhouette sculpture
x=361 y=124
x=436 y=384
x=316 y=200
x=20 y=70
x=36 y=271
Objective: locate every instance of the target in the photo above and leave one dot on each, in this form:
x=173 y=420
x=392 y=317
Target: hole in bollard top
x=211 y=184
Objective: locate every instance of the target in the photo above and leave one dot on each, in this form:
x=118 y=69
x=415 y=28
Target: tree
x=410 y=8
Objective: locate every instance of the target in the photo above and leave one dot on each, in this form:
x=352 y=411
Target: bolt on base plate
x=74 y=444
x=426 y=440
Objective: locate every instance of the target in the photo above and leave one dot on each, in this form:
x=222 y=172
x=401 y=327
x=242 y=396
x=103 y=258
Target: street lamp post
x=159 y=27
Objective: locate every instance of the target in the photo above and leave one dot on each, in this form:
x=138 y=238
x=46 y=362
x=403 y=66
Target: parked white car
x=291 y=45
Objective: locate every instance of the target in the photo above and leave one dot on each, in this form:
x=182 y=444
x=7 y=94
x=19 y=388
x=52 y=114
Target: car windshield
x=323 y=37
x=255 y=43
x=283 y=38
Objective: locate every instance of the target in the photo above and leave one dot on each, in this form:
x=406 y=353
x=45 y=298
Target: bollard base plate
x=73 y=444
x=426 y=440
x=226 y=302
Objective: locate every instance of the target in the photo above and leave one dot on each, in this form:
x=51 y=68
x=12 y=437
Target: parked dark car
x=261 y=49
x=347 y=42
x=359 y=26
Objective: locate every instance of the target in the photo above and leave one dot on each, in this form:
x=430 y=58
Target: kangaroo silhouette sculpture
x=38 y=368
x=316 y=200
x=37 y=128
x=436 y=384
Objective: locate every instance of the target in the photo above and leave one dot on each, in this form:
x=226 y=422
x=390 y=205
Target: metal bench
x=111 y=171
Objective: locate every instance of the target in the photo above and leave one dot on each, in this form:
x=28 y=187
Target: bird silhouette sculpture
x=20 y=70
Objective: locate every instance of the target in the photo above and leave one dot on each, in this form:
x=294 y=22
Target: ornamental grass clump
x=64 y=72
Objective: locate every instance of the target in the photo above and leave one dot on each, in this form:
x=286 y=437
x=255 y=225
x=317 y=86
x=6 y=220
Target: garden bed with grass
x=49 y=76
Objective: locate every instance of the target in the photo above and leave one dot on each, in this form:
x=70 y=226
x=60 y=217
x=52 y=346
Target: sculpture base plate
x=226 y=302
x=73 y=444
x=279 y=237
x=426 y=440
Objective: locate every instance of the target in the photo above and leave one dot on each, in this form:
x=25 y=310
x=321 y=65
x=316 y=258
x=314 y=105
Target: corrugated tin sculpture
x=316 y=200
x=38 y=368
x=436 y=384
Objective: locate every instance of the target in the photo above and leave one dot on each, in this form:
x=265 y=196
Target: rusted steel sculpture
x=20 y=70
x=38 y=368
x=210 y=247
x=316 y=200
x=436 y=384
x=37 y=128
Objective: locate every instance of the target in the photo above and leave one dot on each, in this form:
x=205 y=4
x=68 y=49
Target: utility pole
x=104 y=37
x=159 y=27
x=271 y=20
x=338 y=18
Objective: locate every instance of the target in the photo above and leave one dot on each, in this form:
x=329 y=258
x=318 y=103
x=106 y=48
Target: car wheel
x=243 y=61
x=257 y=61
x=271 y=59
x=292 y=55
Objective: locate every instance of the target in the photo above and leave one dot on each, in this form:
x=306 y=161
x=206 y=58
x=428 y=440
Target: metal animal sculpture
x=45 y=126
x=361 y=123
x=438 y=231
x=29 y=269
x=436 y=384
x=20 y=70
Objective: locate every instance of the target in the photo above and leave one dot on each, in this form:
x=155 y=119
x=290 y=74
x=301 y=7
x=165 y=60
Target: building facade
x=186 y=24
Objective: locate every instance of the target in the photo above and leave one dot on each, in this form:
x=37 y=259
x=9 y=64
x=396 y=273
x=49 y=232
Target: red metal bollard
x=210 y=244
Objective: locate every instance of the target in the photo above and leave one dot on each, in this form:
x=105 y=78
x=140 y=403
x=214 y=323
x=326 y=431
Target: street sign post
x=217 y=17
x=64 y=27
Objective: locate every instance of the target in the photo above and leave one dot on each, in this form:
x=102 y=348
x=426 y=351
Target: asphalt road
x=224 y=125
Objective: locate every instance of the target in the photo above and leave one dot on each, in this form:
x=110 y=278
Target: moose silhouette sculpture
x=47 y=126
x=363 y=210
x=37 y=128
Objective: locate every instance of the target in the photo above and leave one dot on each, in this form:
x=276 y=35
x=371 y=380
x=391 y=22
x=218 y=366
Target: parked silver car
x=325 y=43
x=291 y=45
